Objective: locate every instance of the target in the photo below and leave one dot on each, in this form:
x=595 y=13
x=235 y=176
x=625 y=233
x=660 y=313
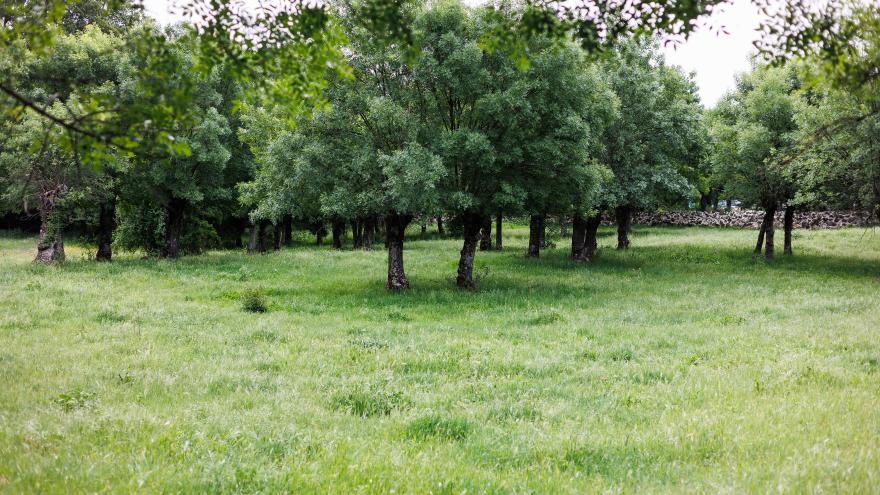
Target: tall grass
x=681 y=365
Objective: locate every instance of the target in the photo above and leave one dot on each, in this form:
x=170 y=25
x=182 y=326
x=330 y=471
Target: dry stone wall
x=750 y=219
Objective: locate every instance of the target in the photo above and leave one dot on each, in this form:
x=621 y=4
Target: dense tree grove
x=169 y=141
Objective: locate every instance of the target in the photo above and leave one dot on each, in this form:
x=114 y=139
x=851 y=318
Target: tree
x=752 y=127
x=650 y=146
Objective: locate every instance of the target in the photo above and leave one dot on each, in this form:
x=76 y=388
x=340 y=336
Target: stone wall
x=750 y=219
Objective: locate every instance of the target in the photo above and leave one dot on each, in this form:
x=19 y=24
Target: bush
x=254 y=301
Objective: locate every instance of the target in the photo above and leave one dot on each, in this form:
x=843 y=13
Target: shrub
x=254 y=301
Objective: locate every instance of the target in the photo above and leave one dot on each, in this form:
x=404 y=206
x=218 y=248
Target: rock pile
x=750 y=219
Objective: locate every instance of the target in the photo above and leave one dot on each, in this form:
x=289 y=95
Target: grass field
x=682 y=365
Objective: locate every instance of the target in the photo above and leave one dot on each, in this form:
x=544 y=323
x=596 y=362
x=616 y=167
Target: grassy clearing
x=682 y=365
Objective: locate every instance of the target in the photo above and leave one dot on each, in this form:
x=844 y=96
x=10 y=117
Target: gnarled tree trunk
x=338 y=227
x=395 y=228
x=787 y=225
x=536 y=229
x=471 y=223
x=486 y=234
x=440 y=229
x=591 y=243
x=173 y=227
x=498 y=237
x=623 y=215
x=50 y=247
x=106 y=224
x=578 y=237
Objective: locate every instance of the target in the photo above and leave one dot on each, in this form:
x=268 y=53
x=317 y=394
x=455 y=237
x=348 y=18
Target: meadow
x=681 y=365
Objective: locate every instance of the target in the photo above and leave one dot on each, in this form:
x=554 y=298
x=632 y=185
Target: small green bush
x=254 y=301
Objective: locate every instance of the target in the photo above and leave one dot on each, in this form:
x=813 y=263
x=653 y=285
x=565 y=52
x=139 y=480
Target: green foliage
x=751 y=128
x=254 y=301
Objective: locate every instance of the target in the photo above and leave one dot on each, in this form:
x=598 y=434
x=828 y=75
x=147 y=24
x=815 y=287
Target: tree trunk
x=50 y=247
x=106 y=224
x=424 y=227
x=369 y=233
x=252 y=238
x=278 y=232
x=356 y=231
x=578 y=237
x=173 y=228
x=261 y=236
x=759 y=246
x=395 y=227
x=338 y=227
x=498 y=238
x=287 y=226
x=704 y=201
x=563 y=226
x=542 y=231
x=769 y=233
x=320 y=232
x=715 y=202
x=486 y=234
x=623 y=215
x=591 y=243
x=787 y=225
x=535 y=227
x=472 y=224
x=440 y=225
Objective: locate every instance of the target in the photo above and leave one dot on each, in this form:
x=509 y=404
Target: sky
x=714 y=57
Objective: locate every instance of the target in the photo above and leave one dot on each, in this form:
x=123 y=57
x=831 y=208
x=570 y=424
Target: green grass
x=682 y=365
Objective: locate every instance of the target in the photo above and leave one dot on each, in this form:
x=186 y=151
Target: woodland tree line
x=167 y=140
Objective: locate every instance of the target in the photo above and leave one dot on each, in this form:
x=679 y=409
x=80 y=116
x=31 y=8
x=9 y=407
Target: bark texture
x=536 y=229
x=50 y=246
x=252 y=238
x=498 y=238
x=591 y=243
x=395 y=227
x=173 y=227
x=623 y=215
x=787 y=225
x=472 y=224
x=106 y=225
